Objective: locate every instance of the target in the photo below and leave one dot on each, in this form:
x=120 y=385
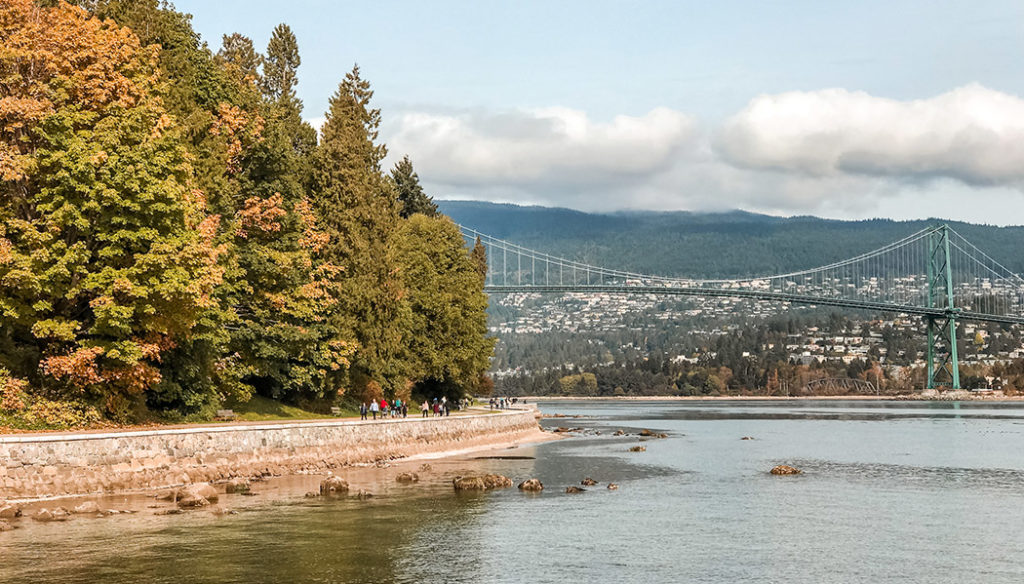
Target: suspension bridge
x=935 y=274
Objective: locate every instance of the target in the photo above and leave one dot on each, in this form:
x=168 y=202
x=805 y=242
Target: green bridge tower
x=943 y=365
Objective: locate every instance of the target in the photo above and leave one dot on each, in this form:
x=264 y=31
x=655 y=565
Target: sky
x=896 y=108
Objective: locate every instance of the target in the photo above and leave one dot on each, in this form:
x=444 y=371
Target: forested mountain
x=730 y=244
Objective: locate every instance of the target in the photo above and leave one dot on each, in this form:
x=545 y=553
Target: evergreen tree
x=281 y=65
x=479 y=255
x=449 y=325
x=358 y=210
x=410 y=194
x=238 y=56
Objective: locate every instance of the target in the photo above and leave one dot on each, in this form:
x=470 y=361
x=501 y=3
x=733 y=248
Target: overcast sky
x=895 y=108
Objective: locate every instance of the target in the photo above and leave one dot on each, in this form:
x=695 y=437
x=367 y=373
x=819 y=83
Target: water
x=892 y=492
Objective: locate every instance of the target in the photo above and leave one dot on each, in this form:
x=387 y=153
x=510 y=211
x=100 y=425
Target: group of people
x=396 y=408
x=503 y=403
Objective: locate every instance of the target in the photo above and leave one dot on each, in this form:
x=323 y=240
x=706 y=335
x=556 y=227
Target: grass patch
x=262 y=409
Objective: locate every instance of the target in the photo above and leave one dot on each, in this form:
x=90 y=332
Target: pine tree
x=479 y=255
x=239 y=58
x=449 y=341
x=358 y=210
x=281 y=65
x=410 y=194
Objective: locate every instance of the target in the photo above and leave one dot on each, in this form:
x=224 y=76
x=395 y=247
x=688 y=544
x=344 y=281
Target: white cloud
x=830 y=152
x=972 y=134
x=556 y=146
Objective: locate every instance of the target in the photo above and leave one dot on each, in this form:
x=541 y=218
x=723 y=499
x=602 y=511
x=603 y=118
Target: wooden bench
x=225 y=415
x=335 y=411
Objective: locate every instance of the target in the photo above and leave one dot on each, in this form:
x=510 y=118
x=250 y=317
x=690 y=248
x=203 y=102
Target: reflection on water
x=892 y=492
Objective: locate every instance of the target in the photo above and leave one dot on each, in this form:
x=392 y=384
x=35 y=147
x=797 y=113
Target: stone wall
x=45 y=465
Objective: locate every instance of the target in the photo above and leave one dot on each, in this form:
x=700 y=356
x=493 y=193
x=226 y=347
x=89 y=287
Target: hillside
x=729 y=244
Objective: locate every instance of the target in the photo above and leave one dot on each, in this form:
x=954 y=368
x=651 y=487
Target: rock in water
x=481 y=483
x=783 y=469
x=619 y=433
x=613 y=487
x=408 y=477
x=239 y=486
x=333 y=485
x=533 y=485
x=8 y=511
x=646 y=433
x=572 y=490
x=638 y=449
x=58 y=514
x=198 y=491
x=87 y=507
x=588 y=482
x=747 y=438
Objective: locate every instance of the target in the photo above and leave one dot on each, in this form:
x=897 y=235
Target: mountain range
x=709 y=245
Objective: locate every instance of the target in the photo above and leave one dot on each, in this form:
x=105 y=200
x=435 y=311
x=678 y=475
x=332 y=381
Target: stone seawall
x=49 y=465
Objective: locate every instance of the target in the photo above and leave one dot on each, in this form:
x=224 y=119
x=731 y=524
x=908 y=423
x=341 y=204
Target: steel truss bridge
x=935 y=273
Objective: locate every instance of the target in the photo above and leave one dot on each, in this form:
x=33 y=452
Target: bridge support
x=943 y=364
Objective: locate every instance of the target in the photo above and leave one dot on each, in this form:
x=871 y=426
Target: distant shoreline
x=733 y=398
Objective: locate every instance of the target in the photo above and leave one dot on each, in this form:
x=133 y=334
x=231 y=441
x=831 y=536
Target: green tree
x=239 y=58
x=107 y=255
x=410 y=194
x=448 y=339
x=358 y=210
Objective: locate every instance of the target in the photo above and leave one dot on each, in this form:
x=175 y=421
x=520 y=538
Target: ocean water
x=891 y=492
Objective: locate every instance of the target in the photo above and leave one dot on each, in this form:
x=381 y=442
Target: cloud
x=559 y=147
x=972 y=134
x=830 y=152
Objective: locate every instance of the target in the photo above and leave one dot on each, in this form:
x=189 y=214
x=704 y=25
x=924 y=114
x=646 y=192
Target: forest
x=708 y=245
x=174 y=236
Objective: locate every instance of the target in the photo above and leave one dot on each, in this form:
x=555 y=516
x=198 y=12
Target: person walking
x=374 y=408
x=363 y=408
x=425 y=409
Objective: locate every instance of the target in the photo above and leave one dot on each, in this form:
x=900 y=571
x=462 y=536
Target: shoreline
x=368 y=479
x=37 y=466
x=782 y=398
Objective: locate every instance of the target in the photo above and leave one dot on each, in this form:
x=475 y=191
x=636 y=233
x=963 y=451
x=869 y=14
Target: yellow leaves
x=262 y=215
x=312 y=239
x=235 y=124
x=99 y=158
x=78 y=367
x=162 y=124
x=56 y=329
x=6 y=251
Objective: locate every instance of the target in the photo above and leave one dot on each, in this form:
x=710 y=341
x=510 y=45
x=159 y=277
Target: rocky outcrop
x=87 y=508
x=408 y=477
x=237 y=486
x=784 y=469
x=333 y=485
x=481 y=483
x=8 y=511
x=638 y=449
x=532 y=485
x=588 y=482
x=646 y=433
x=574 y=490
x=58 y=514
x=198 y=495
